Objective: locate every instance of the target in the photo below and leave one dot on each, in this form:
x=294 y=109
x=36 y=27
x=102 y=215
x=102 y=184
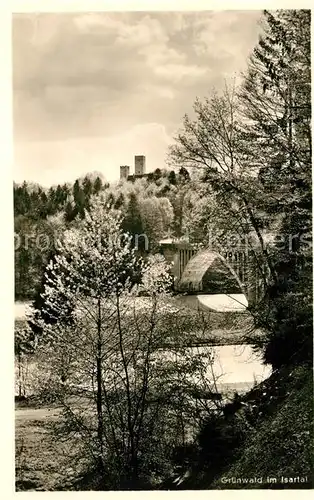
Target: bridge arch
x=191 y=275
x=209 y=272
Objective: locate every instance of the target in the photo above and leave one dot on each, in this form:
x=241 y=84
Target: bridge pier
x=177 y=253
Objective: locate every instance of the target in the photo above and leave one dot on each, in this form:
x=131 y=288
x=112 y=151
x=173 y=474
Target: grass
x=43 y=463
x=37 y=461
x=280 y=443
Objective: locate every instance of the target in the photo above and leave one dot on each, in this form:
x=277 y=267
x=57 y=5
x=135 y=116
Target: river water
x=236 y=367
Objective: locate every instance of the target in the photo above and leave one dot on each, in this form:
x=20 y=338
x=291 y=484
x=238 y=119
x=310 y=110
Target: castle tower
x=124 y=171
x=140 y=165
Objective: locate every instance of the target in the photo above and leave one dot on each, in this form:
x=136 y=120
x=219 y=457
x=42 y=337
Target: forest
x=156 y=206
x=109 y=341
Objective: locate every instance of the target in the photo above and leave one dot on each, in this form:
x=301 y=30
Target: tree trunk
x=99 y=398
x=20 y=370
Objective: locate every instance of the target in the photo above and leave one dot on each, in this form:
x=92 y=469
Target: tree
x=132 y=223
x=179 y=200
x=24 y=344
x=28 y=257
x=69 y=212
x=111 y=353
x=97 y=185
x=210 y=142
x=166 y=211
x=277 y=106
x=254 y=146
x=157 y=174
x=172 y=178
x=153 y=223
x=87 y=186
x=120 y=202
x=21 y=199
x=79 y=199
x=60 y=196
x=183 y=172
x=92 y=267
x=43 y=205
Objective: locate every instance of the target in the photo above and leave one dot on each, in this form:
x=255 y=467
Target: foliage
x=253 y=145
x=277 y=102
x=114 y=345
x=40 y=215
x=281 y=443
x=136 y=404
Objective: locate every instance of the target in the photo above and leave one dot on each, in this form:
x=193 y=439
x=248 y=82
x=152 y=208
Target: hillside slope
x=277 y=451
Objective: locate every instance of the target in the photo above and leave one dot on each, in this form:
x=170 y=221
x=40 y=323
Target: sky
x=92 y=90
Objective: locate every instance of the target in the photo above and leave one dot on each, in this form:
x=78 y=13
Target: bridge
x=208 y=281
x=211 y=279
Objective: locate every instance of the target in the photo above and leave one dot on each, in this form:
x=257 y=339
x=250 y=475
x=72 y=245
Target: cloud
x=90 y=78
x=146 y=37
x=176 y=72
x=228 y=32
x=59 y=161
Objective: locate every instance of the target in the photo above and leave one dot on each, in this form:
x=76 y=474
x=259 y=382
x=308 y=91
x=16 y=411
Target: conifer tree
x=132 y=222
x=277 y=105
x=97 y=185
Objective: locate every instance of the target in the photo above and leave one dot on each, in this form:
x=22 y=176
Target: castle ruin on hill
x=139 y=169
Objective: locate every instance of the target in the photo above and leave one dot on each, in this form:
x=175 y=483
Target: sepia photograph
x=163 y=328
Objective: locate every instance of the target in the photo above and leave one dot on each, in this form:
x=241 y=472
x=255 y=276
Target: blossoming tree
x=110 y=354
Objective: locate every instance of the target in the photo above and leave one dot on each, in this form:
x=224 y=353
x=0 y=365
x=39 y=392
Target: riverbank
x=276 y=419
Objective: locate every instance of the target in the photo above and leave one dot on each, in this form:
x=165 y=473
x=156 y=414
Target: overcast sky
x=93 y=90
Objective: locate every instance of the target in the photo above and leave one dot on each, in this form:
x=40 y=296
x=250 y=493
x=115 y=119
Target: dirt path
x=36 y=413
